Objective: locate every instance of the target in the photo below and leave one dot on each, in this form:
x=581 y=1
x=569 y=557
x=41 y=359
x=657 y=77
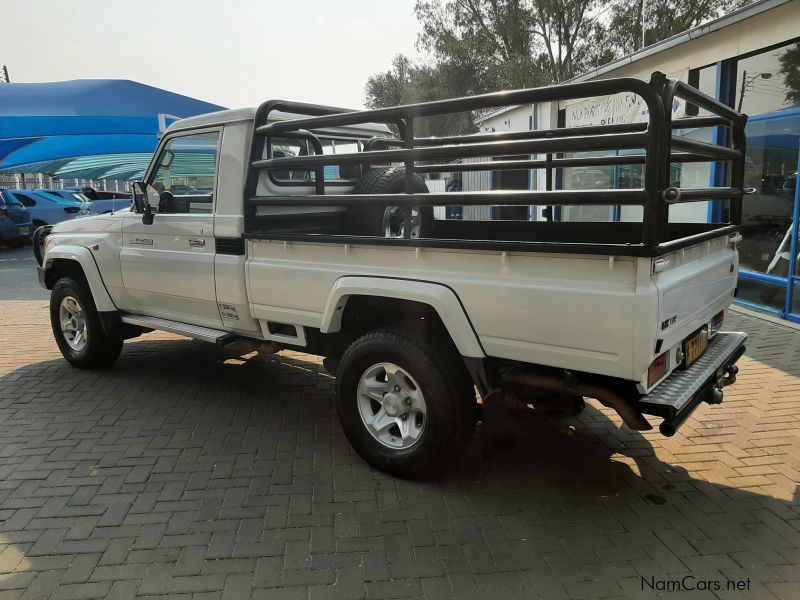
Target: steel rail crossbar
x=654 y=144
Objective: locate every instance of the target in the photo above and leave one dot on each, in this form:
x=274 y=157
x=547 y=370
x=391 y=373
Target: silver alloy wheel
x=73 y=323
x=394 y=224
x=391 y=406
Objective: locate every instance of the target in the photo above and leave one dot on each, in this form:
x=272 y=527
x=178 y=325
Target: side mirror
x=144 y=198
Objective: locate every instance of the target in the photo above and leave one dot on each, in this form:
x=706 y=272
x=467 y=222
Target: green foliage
x=663 y=18
x=476 y=46
x=790 y=69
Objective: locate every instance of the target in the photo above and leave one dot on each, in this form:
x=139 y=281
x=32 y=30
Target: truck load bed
x=318 y=210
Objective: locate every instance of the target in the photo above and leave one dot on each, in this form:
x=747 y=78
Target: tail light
x=3 y=212
x=71 y=210
x=657 y=370
x=716 y=322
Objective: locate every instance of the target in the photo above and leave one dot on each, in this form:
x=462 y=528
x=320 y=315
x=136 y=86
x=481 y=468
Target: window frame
x=27 y=197
x=323 y=136
x=734 y=75
x=152 y=169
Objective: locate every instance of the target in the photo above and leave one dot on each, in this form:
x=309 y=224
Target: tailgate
x=694 y=284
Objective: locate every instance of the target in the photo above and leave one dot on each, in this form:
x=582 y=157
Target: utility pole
x=5 y=75
x=746 y=85
x=643 y=21
x=741 y=91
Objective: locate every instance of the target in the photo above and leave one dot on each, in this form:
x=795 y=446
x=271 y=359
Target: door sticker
x=228 y=311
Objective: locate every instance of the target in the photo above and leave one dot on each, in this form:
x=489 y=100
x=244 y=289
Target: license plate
x=24 y=229
x=694 y=346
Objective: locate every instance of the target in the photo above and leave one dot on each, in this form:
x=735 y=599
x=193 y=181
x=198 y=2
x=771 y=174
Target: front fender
x=84 y=258
x=439 y=297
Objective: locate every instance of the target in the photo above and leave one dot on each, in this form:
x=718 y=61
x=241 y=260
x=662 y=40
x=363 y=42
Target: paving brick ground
x=182 y=473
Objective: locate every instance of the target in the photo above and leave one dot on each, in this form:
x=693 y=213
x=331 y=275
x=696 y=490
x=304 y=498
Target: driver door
x=168 y=266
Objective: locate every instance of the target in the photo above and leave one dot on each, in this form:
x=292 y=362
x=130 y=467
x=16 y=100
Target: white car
x=307 y=227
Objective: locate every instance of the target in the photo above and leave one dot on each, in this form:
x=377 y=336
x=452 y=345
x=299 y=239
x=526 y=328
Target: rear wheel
x=404 y=407
x=77 y=328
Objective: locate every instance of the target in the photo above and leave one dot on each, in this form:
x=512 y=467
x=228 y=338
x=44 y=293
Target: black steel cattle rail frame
x=655 y=138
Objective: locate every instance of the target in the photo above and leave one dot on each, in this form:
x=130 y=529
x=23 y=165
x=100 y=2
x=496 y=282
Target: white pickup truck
x=307 y=227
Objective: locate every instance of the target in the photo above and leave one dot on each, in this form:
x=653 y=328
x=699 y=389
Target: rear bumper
x=683 y=391
x=9 y=230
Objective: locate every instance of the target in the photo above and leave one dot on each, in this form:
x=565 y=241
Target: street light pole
x=741 y=91
x=746 y=84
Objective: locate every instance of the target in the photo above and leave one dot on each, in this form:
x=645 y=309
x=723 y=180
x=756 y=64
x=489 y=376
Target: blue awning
x=87 y=128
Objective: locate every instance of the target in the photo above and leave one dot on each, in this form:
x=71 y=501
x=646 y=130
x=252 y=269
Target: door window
x=186 y=174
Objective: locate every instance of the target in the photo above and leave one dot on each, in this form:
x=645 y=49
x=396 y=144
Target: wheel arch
x=77 y=262
x=413 y=296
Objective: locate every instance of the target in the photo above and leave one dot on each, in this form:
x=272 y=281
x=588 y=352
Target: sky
x=230 y=52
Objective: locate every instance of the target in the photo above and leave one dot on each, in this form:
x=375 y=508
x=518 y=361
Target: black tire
x=38 y=238
x=100 y=348
x=372 y=220
x=449 y=398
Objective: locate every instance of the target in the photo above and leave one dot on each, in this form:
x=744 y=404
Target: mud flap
x=500 y=427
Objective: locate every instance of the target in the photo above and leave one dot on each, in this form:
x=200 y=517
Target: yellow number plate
x=694 y=347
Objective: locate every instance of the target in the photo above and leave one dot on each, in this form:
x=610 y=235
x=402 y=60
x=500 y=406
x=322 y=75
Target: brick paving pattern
x=183 y=473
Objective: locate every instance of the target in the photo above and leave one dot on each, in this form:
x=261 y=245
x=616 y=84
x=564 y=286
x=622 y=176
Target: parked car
x=64 y=194
x=411 y=313
x=46 y=209
x=104 y=201
x=15 y=221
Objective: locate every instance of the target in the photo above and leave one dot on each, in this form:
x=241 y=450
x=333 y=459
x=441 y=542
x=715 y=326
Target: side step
x=197 y=332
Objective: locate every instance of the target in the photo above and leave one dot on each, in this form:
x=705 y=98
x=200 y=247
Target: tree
x=508 y=43
x=408 y=83
x=476 y=46
x=790 y=69
x=662 y=19
x=391 y=87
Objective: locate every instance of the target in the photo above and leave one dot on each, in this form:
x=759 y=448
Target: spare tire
x=388 y=221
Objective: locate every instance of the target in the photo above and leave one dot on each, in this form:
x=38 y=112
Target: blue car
x=15 y=222
x=49 y=210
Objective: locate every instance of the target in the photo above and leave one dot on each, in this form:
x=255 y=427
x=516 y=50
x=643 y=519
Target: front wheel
x=405 y=408
x=77 y=328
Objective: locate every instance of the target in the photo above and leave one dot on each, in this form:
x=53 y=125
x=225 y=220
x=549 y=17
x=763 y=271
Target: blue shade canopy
x=86 y=128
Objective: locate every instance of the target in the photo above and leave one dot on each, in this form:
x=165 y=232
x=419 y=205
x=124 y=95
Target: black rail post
x=548 y=183
x=738 y=140
x=657 y=161
x=408 y=135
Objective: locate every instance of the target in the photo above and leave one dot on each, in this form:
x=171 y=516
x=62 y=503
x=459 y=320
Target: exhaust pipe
x=556 y=381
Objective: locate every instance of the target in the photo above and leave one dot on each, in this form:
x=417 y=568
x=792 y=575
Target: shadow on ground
x=183 y=470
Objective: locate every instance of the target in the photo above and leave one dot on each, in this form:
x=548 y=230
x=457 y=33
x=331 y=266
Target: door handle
x=197 y=243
